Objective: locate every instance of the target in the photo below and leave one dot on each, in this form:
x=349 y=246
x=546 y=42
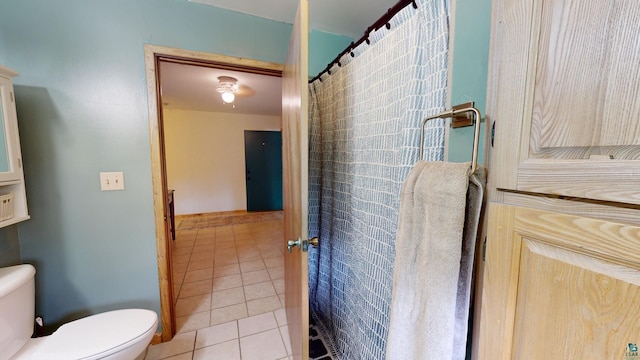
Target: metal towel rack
x=461 y=116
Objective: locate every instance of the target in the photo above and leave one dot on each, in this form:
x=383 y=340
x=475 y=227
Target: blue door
x=263 y=159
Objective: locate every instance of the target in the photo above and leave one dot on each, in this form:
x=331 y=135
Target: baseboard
x=157 y=338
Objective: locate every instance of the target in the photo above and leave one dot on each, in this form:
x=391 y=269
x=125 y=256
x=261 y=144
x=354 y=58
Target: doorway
x=263 y=162
x=153 y=56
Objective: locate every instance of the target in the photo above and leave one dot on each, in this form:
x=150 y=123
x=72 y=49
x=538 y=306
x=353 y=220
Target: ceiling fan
x=228 y=88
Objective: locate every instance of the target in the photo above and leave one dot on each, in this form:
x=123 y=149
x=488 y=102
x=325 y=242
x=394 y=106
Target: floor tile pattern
x=229 y=295
x=228 y=284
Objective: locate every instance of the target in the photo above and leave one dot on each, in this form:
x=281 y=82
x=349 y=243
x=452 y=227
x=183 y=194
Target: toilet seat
x=93 y=337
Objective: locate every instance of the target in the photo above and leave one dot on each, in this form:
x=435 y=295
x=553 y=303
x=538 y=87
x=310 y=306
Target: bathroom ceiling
x=194 y=88
x=350 y=18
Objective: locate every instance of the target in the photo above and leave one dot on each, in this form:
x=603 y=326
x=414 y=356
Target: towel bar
x=459 y=114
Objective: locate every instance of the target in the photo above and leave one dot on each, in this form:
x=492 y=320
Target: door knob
x=304 y=244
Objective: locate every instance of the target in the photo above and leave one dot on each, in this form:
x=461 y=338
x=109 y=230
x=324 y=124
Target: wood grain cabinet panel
x=559 y=286
x=567 y=107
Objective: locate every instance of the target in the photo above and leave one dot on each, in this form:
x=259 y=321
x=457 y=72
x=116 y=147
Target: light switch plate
x=111 y=181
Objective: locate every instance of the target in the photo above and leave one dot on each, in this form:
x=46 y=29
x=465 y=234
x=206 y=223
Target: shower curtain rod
x=382 y=21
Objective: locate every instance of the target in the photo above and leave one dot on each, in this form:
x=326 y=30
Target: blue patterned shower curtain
x=364 y=139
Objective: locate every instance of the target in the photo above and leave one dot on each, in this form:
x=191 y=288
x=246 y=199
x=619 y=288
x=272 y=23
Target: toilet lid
x=96 y=336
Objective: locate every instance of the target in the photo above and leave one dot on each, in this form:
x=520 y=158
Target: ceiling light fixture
x=227 y=88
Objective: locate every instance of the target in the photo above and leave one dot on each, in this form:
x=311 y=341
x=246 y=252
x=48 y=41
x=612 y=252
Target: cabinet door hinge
x=484 y=249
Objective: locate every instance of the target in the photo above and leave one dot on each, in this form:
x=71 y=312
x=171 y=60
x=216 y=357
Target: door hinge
x=11 y=96
x=484 y=249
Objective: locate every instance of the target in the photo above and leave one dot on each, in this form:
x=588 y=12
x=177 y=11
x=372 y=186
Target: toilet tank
x=17 y=307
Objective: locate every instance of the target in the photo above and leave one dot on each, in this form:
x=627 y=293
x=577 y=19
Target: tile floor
x=229 y=294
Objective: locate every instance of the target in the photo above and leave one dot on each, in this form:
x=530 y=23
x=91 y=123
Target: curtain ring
x=352 y=54
x=415 y=6
x=388 y=25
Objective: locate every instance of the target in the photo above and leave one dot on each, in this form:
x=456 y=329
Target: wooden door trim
x=152 y=55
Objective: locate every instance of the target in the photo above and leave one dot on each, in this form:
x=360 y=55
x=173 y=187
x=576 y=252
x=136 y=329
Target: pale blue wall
x=469 y=78
x=82 y=109
x=9 y=246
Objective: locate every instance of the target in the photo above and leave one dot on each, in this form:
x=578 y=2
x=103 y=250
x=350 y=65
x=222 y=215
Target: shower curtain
x=364 y=138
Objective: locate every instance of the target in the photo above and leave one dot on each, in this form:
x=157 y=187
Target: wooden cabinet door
x=559 y=286
x=567 y=98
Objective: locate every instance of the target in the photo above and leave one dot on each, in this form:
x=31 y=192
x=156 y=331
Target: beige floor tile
x=228 y=313
x=216 y=334
x=255 y=324
x=204 y=248
x=265 y=345
x=181 y=241
x=179 y=268
x=181 y=259
x=274 y=261
x=223 y=236
x=225 y=260
x=197 y=275
x=199 y=264
x=276 y=272
x=205 y=239
x=205 y=255
x=227 y=282
x=278 y=284
x=229 y=350
x=226 y=270
x=181 y=251
x=182 y=235
x=284 y=331
x=259 y=290
x=192 y=322
x=227 y=297
x=245 y=279
x=193 y=304
x=281 y=317
x=195 y=288
x=260 y=306
x=211 y=231
x=181 y=343
x=271 y=253
x=185 y=356
x=254 y=277
x=252 y=266
x=248 y=255
x=225 y=245
x=178 y=277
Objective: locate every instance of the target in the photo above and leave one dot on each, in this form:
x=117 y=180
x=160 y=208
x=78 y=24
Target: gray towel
x=427 y=264
x=475 y=193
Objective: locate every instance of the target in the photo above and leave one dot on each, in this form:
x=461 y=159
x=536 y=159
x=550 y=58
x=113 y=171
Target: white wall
x=205 y=158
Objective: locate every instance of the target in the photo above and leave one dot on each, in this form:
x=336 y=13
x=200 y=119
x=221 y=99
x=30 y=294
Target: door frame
x=153 y=54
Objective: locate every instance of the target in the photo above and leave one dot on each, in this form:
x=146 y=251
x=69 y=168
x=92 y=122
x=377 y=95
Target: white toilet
x=113 y=335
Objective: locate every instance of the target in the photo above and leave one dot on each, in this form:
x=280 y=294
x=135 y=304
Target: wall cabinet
x=562 y=275
x=13 y=201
